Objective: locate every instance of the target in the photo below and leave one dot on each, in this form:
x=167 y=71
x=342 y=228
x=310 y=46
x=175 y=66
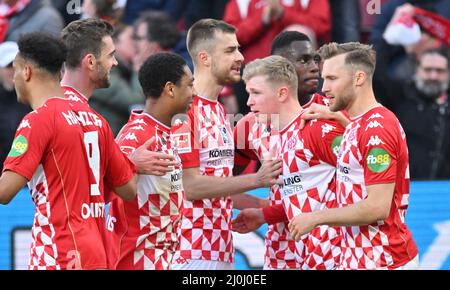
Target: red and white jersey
x=143 y=232
x=50 y=151
x=374 y=151
x=205 y=141
x=309 y=171
x=110 y=166
x=253 y=141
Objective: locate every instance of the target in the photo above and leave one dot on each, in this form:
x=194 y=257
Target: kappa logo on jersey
x=139 y=121
x=127 y=149
x=19 y=146
x=182 y=142
x=375 y=141
x=373 y=124
x=375 y=116
x=139 y=127
x=131 y=136
x=72 y=97
x=327 y=128
x=378 y=160
x=24 y=124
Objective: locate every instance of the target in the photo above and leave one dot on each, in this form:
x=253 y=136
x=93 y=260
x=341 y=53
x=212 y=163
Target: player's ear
x=89 y=61
x=283 y=94
x=27 y=72
x=360 y=78
x=169 y=89
x=204 y=58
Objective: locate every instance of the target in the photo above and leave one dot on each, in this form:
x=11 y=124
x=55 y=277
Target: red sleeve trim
x=274 y=214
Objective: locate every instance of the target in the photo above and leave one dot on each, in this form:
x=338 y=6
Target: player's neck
x=206 y=86
x=304 y=98
x=288 y=112
x=159 y=111
x=43 y=91
x=78 y=80
x=364 y=101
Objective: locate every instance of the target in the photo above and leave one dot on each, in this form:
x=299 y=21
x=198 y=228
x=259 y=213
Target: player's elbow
x=4 y=200
x=129 y=191
x=378 y=212
x=190 y=188
x=190 y=195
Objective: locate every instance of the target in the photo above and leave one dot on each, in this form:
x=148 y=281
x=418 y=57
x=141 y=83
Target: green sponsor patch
x=19 y=146
x=378 y=160
x=336 y=145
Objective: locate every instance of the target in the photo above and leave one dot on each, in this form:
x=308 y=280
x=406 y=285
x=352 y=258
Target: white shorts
x=203 y=265
x=411 y=265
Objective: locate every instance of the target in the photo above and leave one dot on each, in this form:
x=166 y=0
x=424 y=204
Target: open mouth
x=236 y=69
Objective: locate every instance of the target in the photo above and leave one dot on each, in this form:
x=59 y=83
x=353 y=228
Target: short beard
x=102 y=80
x=432 y=90
x=341 y=103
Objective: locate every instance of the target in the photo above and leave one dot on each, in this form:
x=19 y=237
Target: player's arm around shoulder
x=197 y=186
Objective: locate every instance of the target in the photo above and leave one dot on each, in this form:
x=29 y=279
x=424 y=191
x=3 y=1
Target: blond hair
x=357 y=55
x=277 y=69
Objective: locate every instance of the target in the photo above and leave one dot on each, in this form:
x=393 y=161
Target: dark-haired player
x=49 y=152
x=144 y=235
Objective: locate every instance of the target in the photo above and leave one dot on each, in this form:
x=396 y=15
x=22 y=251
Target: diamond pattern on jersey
x=280 y=247
x=43 y=252
x=205 y=229
x=369 y=247
x=307 y=187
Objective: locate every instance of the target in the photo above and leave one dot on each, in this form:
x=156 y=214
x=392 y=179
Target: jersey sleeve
x=186 y=138
x=378 y=142
x=326 y=138
x=30 y=142
x=274 y=214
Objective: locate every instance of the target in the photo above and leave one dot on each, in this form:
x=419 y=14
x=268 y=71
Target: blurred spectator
x=199 y=9
x=103 y=9
x=421 y=105
x=259 y=21
x=394 y=61
x=23 y=16
x=11 y=112
x=116 y=102
x=346 y=20
x=134 y=8
x=156 y=32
